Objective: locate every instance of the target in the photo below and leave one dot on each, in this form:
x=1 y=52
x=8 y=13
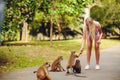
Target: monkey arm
x=76 y=56
x=47 y=74
x=48 y=77
x=62 y=68
x=79 y=54
x=100 y=31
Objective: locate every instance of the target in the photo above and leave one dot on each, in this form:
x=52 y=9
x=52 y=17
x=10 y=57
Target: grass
x=17 y=57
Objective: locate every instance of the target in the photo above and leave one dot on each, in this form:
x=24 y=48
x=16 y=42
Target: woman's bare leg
x=97 y=52
x=89 y=49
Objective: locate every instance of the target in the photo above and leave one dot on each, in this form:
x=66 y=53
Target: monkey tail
x=54 y=71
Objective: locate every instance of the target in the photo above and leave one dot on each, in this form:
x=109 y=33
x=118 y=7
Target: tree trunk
x=59 y=30
x=51 y=29
x=24 y=35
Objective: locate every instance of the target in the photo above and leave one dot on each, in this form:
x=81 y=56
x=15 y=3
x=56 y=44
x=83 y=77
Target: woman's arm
x=100 y=32
x=83 y=39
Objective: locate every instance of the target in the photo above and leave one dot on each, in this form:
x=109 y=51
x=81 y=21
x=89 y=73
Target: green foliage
x=17 y=11
x=34 y=12
x=60 y=7
x=63 y=12
x=109 y=17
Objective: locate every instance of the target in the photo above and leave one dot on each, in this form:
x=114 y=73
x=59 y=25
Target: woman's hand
x=99 y=41
x=81 y=50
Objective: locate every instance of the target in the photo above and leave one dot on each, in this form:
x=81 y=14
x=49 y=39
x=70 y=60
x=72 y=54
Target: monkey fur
x=56 y=65
x=71 y=60
x=77 y=67
x=42 y=72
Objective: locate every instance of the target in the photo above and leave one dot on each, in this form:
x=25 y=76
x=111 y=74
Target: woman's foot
x=97 y=67
x=87 y=67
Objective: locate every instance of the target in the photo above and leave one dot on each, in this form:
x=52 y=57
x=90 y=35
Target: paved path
x=110 y=69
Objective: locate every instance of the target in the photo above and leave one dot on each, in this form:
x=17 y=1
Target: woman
x=92 y=32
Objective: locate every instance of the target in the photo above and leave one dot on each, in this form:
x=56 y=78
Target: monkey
x=77 y=67
x=71 y=61
x=42 y=72
x=56 y=65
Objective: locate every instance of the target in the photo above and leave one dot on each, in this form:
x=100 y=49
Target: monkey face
x=47 y=65
x=72 y=52
x=77 y=61
x=60 y=58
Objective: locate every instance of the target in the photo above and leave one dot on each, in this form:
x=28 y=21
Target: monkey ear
x=73 y=51
x=59 y=57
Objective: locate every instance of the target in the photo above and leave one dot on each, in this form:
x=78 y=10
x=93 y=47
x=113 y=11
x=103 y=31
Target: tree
x=109 y=17
x=57 y=11
x=19 y=14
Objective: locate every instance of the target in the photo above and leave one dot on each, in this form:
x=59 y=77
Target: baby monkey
x=77 y=67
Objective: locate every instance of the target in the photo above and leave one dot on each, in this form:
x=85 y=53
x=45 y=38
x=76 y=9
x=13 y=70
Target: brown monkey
x=71 y=60
x=42 y=72
x=56 y=65
x=77 y=66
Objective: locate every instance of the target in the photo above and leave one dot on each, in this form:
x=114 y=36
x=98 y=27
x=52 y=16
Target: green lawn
x=37 y=52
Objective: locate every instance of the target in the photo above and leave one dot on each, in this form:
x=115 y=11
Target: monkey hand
x=63 y=69
x=81 y=50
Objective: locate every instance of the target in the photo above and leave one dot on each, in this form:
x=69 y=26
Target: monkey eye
x=47 y=63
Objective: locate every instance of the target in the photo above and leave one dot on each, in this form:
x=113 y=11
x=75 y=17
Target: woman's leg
x=89 y=49
x=97 y=52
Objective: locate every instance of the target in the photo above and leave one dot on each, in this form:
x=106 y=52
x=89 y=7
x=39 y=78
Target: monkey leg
x=76 y=70
x=61 y=68
x=48 y=77
x=68 y=69
x=54 y=68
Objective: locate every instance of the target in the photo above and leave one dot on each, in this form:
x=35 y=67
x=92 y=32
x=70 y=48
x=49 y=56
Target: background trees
x=18 y=16
x=109 y=17
x=56 y=19
x=29 y=16
x=60 y=14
